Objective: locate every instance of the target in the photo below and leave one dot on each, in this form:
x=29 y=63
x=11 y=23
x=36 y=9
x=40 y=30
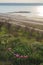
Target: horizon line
x=17 y=3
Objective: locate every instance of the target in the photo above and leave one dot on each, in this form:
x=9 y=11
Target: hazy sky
x=28 y=1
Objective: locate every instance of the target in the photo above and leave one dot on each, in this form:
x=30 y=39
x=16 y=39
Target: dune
x=30 y=22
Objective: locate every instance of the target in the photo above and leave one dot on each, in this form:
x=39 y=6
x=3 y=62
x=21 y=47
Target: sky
x=23 y=1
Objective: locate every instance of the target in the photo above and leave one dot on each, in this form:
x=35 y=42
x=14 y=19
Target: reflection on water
x=34 y=10
x=40 y=10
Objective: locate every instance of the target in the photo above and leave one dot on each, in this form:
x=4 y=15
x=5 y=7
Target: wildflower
x=26 y=56
x=17 y=55
x=21 y=56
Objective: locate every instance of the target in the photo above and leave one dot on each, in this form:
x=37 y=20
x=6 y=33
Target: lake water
x=34 y=10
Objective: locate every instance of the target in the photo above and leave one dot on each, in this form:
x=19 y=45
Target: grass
x=20 y=46
x=5 y=63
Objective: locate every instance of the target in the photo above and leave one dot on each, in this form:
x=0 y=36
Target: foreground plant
x=20 y=46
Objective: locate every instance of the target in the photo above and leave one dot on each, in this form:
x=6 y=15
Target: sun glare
x=40 y=10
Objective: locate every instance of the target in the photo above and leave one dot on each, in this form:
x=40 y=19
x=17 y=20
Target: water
x=34 y=10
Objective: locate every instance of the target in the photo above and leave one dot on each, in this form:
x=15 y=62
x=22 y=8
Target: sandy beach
x=30 y=22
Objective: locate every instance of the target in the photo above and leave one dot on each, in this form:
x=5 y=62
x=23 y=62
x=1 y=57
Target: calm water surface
x=34 y=10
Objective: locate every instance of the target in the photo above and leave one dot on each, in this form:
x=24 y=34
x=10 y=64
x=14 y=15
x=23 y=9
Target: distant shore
x=31 y=4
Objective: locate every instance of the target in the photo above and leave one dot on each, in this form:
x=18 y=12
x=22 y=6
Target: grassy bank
x=20 y=46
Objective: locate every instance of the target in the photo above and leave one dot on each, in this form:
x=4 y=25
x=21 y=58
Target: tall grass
x=20 y=46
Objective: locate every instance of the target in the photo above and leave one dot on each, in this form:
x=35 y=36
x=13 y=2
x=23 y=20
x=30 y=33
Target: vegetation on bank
x=20 y=46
